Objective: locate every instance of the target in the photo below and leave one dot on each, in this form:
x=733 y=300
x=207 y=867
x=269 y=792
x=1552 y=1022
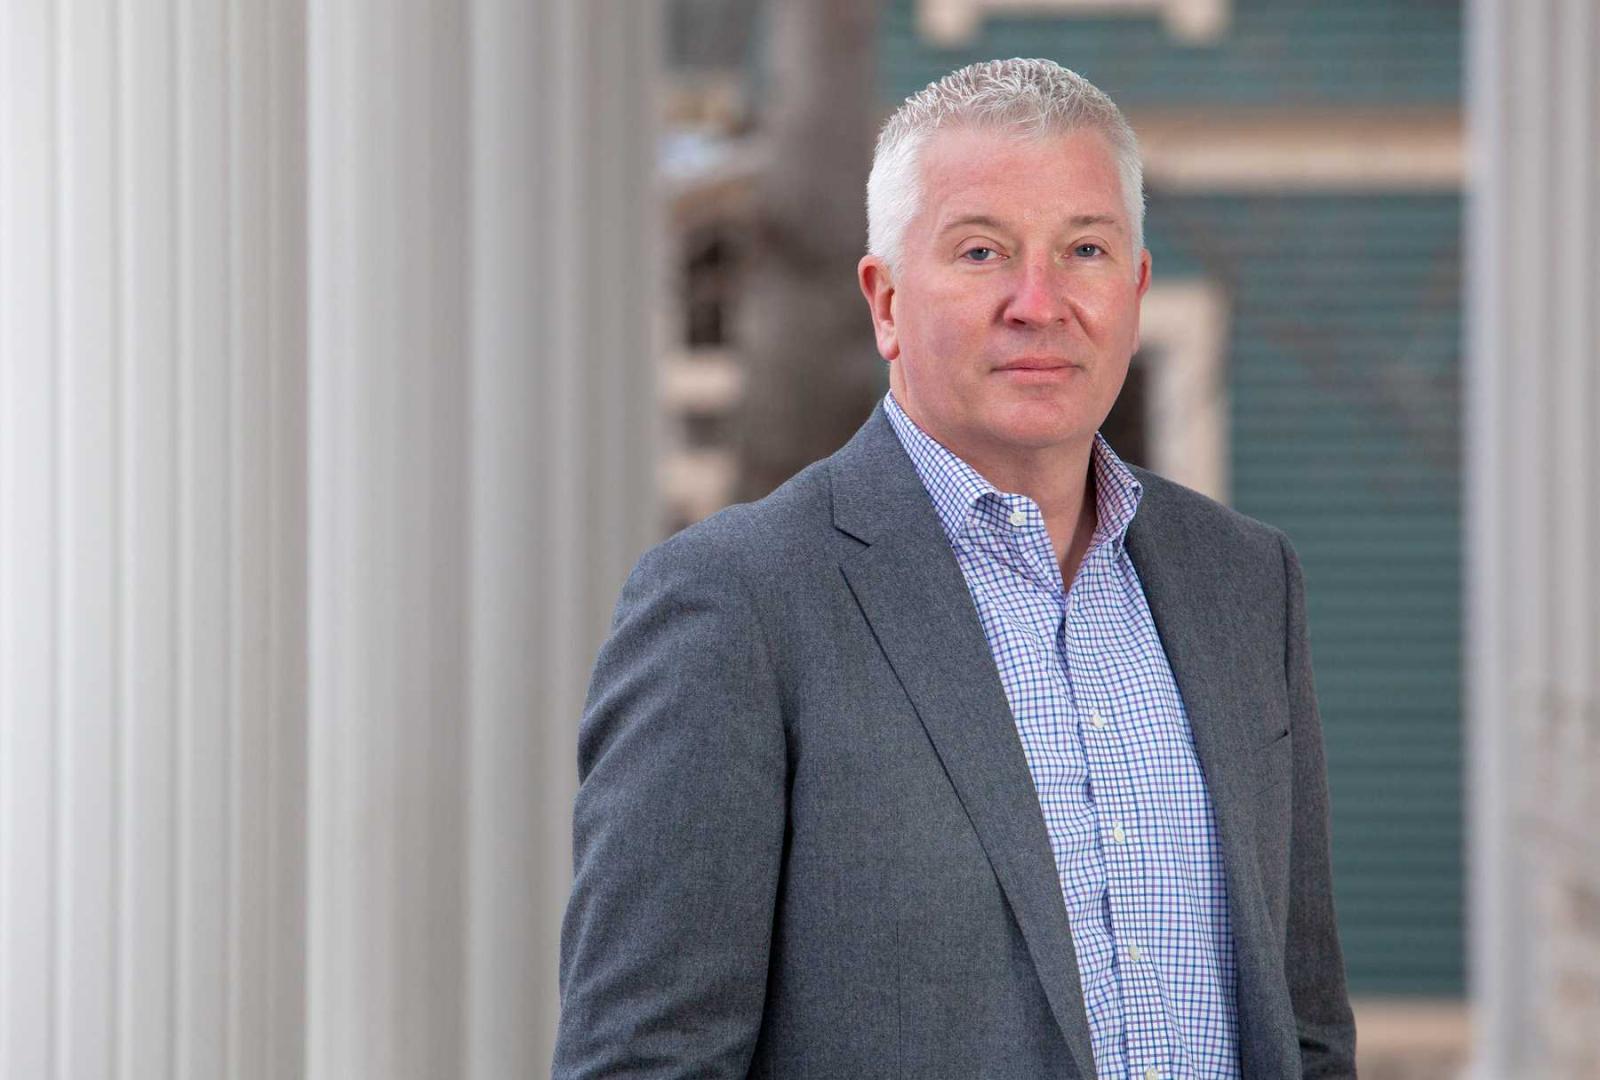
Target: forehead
x=1032 y=179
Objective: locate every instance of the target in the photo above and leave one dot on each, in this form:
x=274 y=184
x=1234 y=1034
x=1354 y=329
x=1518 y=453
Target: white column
x=482 y=284
x=564 y=437
x=388 y=454
x=1533 y=259
x=151 y=506
x=326 y=432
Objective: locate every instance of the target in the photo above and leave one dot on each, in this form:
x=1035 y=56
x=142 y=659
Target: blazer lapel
x=1187 y=587
x=912 y=593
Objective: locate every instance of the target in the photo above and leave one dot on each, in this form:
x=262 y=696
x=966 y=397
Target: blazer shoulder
x=1206 y=522
x=754 y=541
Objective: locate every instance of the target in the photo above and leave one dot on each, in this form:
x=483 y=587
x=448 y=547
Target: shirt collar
x=957 y=489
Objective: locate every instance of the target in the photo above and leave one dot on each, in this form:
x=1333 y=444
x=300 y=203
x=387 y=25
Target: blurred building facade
x=709 y=162
x=1301 y=360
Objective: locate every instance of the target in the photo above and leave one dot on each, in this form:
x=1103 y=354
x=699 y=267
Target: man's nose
x=1040 y=298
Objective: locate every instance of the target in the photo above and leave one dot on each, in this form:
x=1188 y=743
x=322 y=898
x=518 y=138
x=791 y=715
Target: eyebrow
x=1077 y=221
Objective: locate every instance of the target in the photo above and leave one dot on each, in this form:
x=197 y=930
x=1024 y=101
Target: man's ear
x=877 y=285
x=1143 y=287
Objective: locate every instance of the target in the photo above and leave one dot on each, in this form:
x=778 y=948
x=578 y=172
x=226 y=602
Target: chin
x=1032 y=438
x=1042 y=429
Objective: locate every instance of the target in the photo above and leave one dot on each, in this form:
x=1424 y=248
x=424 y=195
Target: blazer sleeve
x=1314 y=962
x=678 y=830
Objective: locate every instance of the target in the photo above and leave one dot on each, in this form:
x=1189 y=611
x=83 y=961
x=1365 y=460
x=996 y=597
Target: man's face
x=1010 y=321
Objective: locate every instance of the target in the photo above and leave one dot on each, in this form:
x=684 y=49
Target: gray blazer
x=806 y=840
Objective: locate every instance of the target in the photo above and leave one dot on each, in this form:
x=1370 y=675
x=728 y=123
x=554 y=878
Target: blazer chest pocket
x=1272 y=806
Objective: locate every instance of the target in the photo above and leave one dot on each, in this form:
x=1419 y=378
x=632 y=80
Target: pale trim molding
x=1302 y=151
x=1183 y=331
x=952 y=23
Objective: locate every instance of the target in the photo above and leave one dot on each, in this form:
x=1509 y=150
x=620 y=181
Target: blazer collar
x=912 y=592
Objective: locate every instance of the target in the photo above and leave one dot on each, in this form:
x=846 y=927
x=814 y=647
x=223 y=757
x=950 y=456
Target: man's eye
x=980 y=254
x=1088 y=251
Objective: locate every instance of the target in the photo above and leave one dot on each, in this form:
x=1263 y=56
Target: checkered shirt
x=1107 y=740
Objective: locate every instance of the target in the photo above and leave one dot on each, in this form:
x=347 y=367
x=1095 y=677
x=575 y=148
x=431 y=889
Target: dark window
x=1126 y=428
x=707 y=288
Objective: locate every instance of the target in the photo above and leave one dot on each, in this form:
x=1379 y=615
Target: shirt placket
x=1035 y=599
x=1106 y=734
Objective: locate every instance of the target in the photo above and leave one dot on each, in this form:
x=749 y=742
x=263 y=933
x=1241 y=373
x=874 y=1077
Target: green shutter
x=1344 y=385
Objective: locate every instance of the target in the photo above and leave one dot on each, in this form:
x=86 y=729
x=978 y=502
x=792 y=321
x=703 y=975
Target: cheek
x=1114 y=312
x=946 y=344
x=949 y=326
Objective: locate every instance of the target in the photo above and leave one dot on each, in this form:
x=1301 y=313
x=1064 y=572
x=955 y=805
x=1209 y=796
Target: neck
x=1060 y=481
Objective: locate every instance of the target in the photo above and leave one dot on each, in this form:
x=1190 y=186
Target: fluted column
x=564 y=440
x=389 y=360
x=482 y=418
x=564 y=436
x=326 y=438
x=1533 y=235
x=151 y=514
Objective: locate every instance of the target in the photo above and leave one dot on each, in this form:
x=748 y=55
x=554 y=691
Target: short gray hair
x=1033 y=98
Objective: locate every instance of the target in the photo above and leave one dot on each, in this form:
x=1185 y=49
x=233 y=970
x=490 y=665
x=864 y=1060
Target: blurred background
x=350 y=354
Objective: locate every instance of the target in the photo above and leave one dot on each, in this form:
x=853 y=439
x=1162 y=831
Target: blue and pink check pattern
x=1108 y=743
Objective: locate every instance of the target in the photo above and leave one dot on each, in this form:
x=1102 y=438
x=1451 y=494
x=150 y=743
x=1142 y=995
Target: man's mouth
x=1032 y=363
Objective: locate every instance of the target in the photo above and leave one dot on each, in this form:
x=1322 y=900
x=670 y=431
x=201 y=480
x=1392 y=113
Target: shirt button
x=1097 y=720
x=1018 y=517
x=1151 y=1074
x=1134 y=953
x=1117 y=834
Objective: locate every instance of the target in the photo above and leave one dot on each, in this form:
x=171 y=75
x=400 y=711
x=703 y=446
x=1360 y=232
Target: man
x=971 y=751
